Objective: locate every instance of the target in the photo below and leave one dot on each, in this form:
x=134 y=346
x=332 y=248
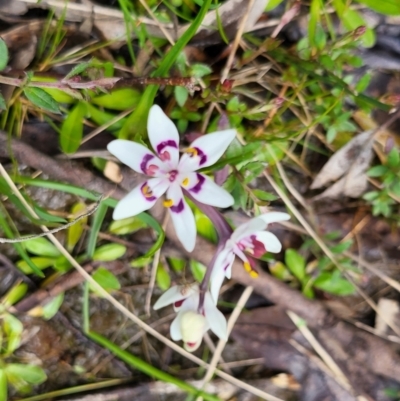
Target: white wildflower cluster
x=174 y=175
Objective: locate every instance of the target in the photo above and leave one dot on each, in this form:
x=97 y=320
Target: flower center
x=172 y=175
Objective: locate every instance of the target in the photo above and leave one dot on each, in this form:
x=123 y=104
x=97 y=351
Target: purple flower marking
x=144 y=190
x=178 y=208
x=164 y=144
x=200 y=181
x=145 y=161
x=202 y=155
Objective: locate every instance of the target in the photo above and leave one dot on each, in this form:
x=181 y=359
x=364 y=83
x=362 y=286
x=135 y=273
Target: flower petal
x=136 y=201
x=246 y=229
x=206 y=191
x=270 y=241
x=175 y=329
x=182 y=217
x=273 y=217
x=222 y=268
x=189 y=304
x=206 y=150
x=164 y=136
x=215 y=318
x=175 y=294
x=136 y=156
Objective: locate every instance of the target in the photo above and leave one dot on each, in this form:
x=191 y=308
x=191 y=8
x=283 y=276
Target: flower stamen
x=185 y=182
x=146 y=191
x=172 y=175
x=192 y=152
x=168 y=203
x=253 y=273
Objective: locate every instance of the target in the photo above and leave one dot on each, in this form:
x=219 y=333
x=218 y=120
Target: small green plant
x=19 y=375
x=383 y=200
x=319 y=273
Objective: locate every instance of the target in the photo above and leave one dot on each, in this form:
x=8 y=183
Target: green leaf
x=109 y=252
x=334 y=283
x=3 y=105
x=126 y=226
x=177 y=264
x=41 y=246
x=204 y=226
x=97 y=222
x=279 y=270
x=363 y=83
x=42 y=99
x=101 y=117
x=74 y=232
x=3 y=385
x=13 y=329
x=393 y=158
x=200 y=70
x=78 y=69
x=370 y=196
x=106 y=279
x=140 y=262
x=119 y=99
x=377 y=171
x=72 y=129
x=40 y=262
x=30 y=373
x=315 y=12
x=47 y=217
x=264 y=196
x=389 y=7
x=198 y=270
x=162 y=278
x=273 y=4
x=295 y=263
x=3 y=55
x=14 y=294
x=342 y=247
x=52 y=307
x=181 y=95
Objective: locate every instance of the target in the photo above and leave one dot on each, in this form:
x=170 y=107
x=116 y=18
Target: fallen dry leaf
x=349 y=164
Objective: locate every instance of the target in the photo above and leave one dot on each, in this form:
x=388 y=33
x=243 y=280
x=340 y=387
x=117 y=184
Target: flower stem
x=224 y=232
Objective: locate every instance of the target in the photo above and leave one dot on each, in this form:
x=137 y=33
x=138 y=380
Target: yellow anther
x=247 y=267
x=147 y=192
x=253 y=274
x=185 y=182
x=192 y=152
x=168 y=203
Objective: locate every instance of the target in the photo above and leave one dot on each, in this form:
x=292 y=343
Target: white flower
x=250 y=237
x=192 y=320
x=170 y=174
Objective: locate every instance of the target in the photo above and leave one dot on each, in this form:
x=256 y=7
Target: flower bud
x=193 y=326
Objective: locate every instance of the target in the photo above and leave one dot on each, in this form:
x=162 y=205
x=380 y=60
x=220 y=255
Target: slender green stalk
x=148 y=369
x=136 y=122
